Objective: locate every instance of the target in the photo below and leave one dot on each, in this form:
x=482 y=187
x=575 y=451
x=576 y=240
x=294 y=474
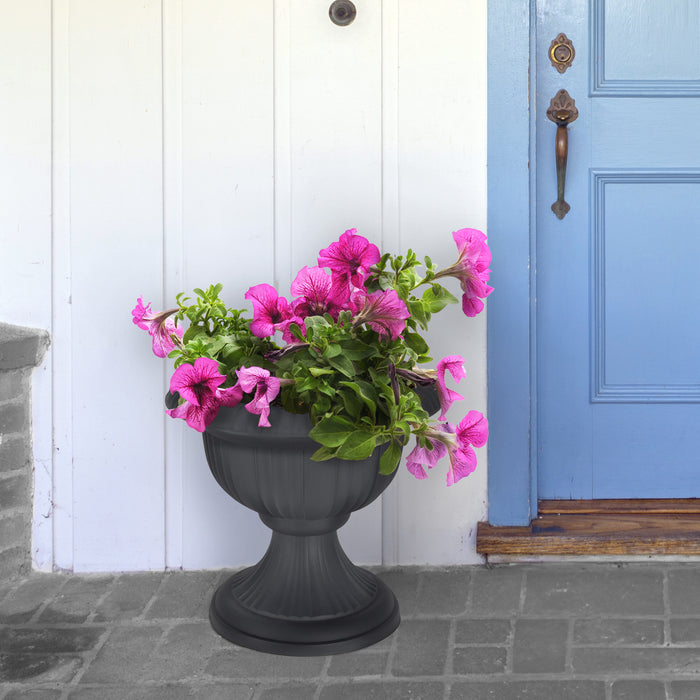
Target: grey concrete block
x=15 y=490
x=481 y=660
x=404 y=583
x=21 y=347
x=604 y=590
x=184 y=595
x=421 y=648
x=289 y=692
x=52 y=640
x=217 y=691
x=124 y=692
x=482 y=631
x=684 y=590
x=443 y=591
x=19 y=606
x=49 y=668
x=539 y=646
x=77 y=599
x=128 y=597
x=638 y=690
x=359 y=664
x=636 y=661
x=123 y=656
x=14 y=418
x=685 y=630
x=529 y=690
x=33 y=694
x=238 y=663
x=386 y=690
x=685 y=690
x=15 y=530
x=14 y=563
x=618 y=632
x=15 y=384
x=496 y=592
x=15 y=453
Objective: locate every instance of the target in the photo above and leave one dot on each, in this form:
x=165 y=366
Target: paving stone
x=14 y=384
x=33 y=694
x=236 y=662
x=386 y=690
x=539 y=646
x=357 y=664
x=585 y=591
x=479 y=660
x=15 y=453
x=128 y=597
x=55 y=668
x=237 y=691
x=529 y=690
x=636 y=660
x=14 y=489
x=684 y=591
x=611 y=631
x=638 y=690
x=482 y=631
x=77 y=599
x=443 y=591
x=184 y=595
x=685 y=690
x=685 y=630
x=183 y=653
x=123 y=656
x=20 y=606
x=124 y=692
x=496 y=591
x=404 y=583
x=421 y=648
x=287 y=692
x=14 y=417
x=49 y=640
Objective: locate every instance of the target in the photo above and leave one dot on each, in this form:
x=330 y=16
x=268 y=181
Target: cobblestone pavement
x=524 y=631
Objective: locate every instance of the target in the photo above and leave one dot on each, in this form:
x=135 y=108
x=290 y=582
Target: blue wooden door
x=618 y=278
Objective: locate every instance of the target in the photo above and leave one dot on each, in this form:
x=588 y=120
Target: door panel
x=618 y=318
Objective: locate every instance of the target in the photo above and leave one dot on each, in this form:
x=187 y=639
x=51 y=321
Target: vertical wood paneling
x=114 y=92
x=227 y=222
x=442 y=158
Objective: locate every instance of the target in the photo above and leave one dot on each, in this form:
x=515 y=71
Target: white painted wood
x=116 y=243
x=196 y=142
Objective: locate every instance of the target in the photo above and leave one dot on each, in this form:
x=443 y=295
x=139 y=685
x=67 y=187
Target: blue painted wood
x=509 y=311
x=618 y=307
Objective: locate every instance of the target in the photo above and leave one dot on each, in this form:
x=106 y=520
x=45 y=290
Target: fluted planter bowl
x=304 y=597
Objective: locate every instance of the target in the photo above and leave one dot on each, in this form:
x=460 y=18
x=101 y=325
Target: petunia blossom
x=197 y=383
x=271 y=312
x=197 y=417
x=349 y=260
x=316 y=293
x=421 y=457
x=472 y=430
x=471 y=269
x=266 y=388
x=454 y=364
x=165 y=334
x=384 y=311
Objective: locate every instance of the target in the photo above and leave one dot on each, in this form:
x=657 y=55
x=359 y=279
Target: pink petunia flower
x=421 y=457
x=471 y=269
x=349 y=259
x=197 y=417
x=316 y=294
x=472 y=430
x=271 y=312
x=266 y=388
x=384 y=311
x=165 y=334
x=454 y=364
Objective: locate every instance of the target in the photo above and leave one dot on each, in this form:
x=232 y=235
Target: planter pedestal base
x=304 y=598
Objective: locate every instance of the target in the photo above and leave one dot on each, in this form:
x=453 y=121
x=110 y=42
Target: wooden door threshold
x=600 y=527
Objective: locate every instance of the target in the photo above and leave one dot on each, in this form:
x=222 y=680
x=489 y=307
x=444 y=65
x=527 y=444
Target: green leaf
x=343 y=365
x=352 y=402
x=390 y=459
x=320 y=371
x=322 y=454
x=355 y=349
x=333 y=350
x=365 y=391
x=332 y=431
x=416 y=343
x=437 y=298
x=358 y=445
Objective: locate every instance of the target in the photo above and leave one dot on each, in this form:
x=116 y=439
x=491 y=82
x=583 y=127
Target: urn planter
x=304 y=597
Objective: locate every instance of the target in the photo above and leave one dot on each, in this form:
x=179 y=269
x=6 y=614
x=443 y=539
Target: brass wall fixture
x=342 y=12
x=562 y=111
x=561 y=53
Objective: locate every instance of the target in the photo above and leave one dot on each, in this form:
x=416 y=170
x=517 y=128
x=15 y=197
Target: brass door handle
x=562 y=111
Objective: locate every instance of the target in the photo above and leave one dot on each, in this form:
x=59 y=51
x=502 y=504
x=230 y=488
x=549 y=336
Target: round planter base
x=303 y=637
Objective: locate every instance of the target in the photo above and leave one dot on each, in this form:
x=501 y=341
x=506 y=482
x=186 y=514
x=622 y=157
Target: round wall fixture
x=342 y=12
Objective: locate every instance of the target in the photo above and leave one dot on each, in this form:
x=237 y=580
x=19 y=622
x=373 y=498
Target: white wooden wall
x=151 y=147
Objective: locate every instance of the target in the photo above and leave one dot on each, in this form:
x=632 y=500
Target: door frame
x=511 y=320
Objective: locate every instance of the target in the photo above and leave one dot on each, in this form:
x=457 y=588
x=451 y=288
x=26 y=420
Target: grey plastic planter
x=304 y=597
